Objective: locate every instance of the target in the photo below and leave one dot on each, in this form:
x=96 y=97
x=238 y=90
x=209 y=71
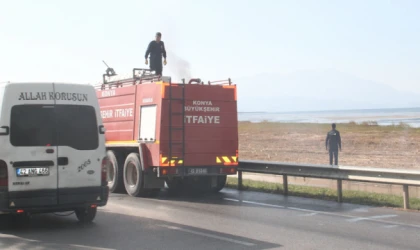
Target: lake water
x=409 y=116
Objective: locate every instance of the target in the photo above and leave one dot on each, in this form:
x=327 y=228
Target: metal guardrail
x=405 y=178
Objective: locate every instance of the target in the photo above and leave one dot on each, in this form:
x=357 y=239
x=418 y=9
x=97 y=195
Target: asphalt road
x=229 y=220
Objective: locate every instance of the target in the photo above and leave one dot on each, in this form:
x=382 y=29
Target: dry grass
x=363 y=145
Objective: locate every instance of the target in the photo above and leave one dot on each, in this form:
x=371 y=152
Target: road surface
x=228 y=220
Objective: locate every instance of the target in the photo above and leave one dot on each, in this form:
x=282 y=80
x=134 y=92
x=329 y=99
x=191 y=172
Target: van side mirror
x=4 y=130
x=102 y=129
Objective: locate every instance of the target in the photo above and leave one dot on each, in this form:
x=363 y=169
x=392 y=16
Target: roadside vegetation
x=355 y=197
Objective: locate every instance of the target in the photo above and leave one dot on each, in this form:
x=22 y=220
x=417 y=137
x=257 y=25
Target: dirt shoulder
x=363 y=145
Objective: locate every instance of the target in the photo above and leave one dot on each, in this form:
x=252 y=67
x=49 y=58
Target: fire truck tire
x=221 y=183
x=204 y=184
x=199 y=185
x=133 y=175
x=116 y=172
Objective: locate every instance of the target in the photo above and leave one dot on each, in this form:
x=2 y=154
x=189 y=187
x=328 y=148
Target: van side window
x=77 y=127
x=32 y=125
x=55 y=125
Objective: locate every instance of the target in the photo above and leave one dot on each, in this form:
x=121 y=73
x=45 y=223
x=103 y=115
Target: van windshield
x=55 y=125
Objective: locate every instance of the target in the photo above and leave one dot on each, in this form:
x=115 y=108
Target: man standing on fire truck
x=156 y=49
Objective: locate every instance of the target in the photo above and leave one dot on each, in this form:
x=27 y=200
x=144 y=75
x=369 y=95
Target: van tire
x=117 y=161
x=133 y=175
x=20 y=219
x=86 y=215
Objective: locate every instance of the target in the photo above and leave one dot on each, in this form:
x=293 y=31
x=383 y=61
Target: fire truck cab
x=184 y=134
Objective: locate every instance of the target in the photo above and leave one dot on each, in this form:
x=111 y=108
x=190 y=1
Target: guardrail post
x=285 y=185
x=340 y=191
x=239 y=180
x=406 y=197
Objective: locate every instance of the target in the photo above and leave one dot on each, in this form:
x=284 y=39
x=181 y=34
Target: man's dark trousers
x=156 y=65
x=334 y=153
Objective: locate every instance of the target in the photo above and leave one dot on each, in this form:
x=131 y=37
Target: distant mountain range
x=317 y=90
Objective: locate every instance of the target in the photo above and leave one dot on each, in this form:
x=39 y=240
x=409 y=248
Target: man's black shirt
x=156 y=50
x=333 y=140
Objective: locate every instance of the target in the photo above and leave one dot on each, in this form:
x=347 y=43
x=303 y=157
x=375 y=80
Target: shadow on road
x=115 y=231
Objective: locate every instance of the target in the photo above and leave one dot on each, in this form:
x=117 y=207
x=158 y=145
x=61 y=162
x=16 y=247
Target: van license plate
x=29 y=172
x=197 y=171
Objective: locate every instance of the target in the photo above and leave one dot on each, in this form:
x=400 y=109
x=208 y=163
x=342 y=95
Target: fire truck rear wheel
x=199 y=184
x=221 y=183
x=133 y=175
x=115 y=172
x=205 y=184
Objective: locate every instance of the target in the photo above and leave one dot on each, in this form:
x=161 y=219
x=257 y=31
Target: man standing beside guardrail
x=333 y=144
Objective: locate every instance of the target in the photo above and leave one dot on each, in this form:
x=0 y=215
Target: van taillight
x=4 y=178
x=104 y=168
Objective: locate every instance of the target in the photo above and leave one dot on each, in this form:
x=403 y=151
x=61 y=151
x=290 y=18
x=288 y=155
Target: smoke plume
x=179 y=67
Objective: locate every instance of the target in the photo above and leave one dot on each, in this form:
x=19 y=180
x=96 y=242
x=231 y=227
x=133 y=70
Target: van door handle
x=49 y=151
x=63 y=161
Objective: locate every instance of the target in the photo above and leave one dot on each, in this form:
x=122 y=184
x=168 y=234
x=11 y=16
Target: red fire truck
x=184 y=134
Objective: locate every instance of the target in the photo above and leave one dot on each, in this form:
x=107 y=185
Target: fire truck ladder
x=177 y=127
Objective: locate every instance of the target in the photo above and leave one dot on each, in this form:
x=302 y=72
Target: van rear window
x=77 y=127
x=32 y=125
x=56 y=125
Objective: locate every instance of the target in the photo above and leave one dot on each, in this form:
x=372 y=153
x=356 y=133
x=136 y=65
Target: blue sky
x=66 y=40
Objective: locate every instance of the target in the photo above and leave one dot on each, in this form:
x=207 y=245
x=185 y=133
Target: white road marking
x=372 y=217
x=209 y=235
x=231 y=199
x=23 y=245
x=300 y=209
x=263 y=204
x=310 y=214
x=94 y=248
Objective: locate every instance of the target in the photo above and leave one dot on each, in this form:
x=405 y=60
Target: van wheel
x=86 y=215
x=115 y=172
x=20 y=219
x=133 y=175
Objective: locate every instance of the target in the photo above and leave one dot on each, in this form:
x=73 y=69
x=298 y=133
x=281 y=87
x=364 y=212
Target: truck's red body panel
x=210 y=116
